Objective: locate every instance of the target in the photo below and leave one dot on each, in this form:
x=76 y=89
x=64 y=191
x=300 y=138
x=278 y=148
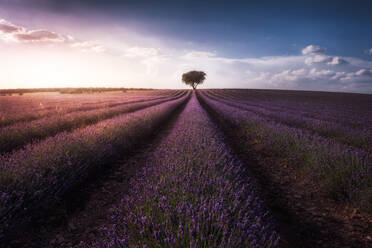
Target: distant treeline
x=65 y=90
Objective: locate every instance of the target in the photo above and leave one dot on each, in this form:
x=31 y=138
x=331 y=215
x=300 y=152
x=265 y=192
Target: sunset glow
x=125 y=44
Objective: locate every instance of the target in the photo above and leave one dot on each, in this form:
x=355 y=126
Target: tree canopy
x=193 y=78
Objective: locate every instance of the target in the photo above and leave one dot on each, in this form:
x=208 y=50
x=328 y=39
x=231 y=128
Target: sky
x=299 y=45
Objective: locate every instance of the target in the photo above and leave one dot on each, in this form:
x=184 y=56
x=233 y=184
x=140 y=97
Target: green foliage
x=193 y=78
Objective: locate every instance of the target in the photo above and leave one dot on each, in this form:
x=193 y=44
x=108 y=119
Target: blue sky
x=312 y=45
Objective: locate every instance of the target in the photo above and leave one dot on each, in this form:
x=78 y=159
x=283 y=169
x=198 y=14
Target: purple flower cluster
x=191 y=193
x=346 y=171
x=21 y=133
x=35 y=175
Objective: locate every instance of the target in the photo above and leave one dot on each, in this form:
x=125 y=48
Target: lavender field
x=329 y=135
x=180 y=168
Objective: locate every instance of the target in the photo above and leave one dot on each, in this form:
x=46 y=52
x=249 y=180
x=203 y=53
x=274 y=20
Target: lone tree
x=193 y=78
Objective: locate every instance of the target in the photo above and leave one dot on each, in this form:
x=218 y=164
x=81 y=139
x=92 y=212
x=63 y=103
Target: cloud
x=14 y=33
x=143 y=52
x=38 y=36
x=18 y=34
x=298 y=76
x=152 y=58
x=318 y=59
x=316 y=55
x=89 y=46
x=312 y=49
x=364 y=72
x=370 y=51
x=299 y=72
x=325 y=59
x=267 y=61
x=199 y=55
x=337 y=61
x=320 y=74
x=360 y=81
x=315 y=79
x=7 y=27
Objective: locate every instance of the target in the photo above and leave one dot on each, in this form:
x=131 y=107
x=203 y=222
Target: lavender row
x=353 y=110
x=62 y=108
x=268 y=105
x=48 y=101
x=346 y=172
x=16 y=136
x=148 y=98
x=191 y=193
x=24 y=108
x=360 y=138
x=34 y=176
x=16 y=109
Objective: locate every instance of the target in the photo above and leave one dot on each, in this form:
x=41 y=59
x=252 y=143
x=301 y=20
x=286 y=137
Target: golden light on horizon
x=42 y=67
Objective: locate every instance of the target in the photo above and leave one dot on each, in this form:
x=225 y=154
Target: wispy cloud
x=10 y=32
x=13 y=33
x=88 y=46
x=38 y=36
x=8 y=28
x=202 y=55
x=364 y=72
x=141 y=52
x=152 y=58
